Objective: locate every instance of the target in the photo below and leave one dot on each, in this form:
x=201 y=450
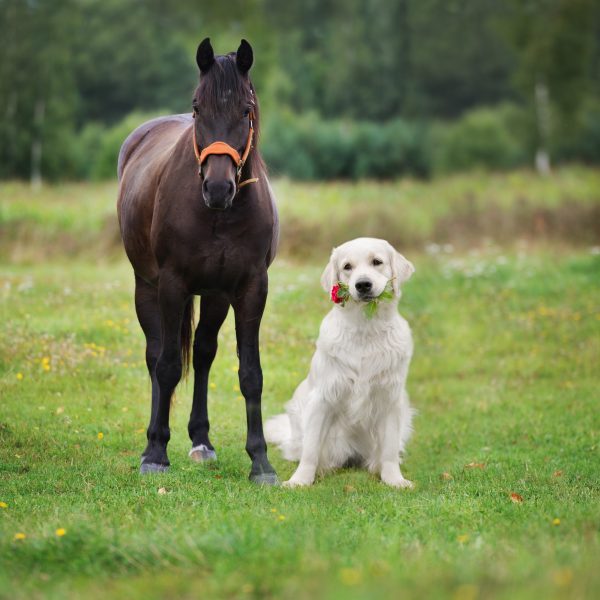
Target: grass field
x=505 y=456
x=464 y=210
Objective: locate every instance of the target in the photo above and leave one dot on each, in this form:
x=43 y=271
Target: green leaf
x=371 y=309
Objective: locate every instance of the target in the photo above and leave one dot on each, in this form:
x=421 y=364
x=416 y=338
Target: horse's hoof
x=202 y=454
x=264 y=478
x=146 y=468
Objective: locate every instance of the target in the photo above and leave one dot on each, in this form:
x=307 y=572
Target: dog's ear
x=402 y=269
x=330 y=275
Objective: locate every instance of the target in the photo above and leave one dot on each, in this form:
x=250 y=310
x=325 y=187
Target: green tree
x=557 y=46
x=37 y=89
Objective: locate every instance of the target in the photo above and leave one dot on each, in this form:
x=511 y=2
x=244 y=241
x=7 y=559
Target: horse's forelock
x=221 y=80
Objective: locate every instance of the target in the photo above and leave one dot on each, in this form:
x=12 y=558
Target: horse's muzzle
x=218 y=195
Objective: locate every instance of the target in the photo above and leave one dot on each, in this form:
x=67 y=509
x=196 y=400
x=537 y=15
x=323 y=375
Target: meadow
x=505 y=455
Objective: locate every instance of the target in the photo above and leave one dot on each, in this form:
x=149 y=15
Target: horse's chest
x=219 y=267
x=215 y=253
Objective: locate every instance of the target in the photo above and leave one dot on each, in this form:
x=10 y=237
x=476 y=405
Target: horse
x=197 y=217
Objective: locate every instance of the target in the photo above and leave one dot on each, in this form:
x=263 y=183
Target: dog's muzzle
x=364 y=287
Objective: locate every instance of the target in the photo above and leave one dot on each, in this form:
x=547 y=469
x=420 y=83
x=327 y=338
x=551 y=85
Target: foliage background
x=351 y=88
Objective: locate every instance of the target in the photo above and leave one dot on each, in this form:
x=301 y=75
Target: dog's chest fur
x=371 y=356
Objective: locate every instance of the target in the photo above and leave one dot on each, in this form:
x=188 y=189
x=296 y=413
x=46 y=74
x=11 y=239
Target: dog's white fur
x=353 y=407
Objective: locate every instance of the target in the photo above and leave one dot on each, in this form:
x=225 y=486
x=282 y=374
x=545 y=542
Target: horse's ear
x=205 y=56
x=244 y=57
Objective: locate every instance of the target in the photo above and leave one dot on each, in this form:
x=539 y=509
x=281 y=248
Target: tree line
x=418 y=85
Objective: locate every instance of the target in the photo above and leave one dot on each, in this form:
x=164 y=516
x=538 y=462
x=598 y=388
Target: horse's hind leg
x=146 y=306
x=213 y=311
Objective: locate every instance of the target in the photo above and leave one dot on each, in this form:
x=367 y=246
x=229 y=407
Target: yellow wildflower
x=350 y=576
x=556 y=522
x=19 y=536
x=3 y=505
x=19 y=376
x=462 y=538
x=562 y=577
x=466 y=591
x=213 y=386
x=60 y=532
x=100 y=435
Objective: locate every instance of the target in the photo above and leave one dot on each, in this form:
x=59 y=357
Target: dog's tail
x=278 y=429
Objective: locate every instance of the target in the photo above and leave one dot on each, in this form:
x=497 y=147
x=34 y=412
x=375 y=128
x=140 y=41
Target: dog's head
x=366 y=265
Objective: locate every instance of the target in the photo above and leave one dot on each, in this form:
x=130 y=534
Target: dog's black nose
x=363 y=286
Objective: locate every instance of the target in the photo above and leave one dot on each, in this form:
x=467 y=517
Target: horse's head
x=224 y=110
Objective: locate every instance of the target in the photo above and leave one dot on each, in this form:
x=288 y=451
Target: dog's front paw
x=293 y=483
x=391 y=475
x=299 y=479
x=398 y=482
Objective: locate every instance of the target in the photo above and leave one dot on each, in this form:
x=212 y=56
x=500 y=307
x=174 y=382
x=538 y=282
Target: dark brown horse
x=198 y=217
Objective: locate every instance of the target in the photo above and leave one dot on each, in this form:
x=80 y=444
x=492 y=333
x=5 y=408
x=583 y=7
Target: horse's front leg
x=248 y=308
x=172 y=297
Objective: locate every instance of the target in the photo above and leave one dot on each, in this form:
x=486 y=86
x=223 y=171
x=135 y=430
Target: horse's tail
x=187 y=335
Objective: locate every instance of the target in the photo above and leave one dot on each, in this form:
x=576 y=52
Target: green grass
x=505 y=375
x=80 y=218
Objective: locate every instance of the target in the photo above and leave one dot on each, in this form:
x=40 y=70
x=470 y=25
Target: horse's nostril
x=218 y=189
x=363 y=286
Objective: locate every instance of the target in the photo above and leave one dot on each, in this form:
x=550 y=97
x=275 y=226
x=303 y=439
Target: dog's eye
x=377 y=262
x=347 y=267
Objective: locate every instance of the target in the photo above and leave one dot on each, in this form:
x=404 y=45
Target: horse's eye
x=377 y=262
x=347 y=267
x=246 y=112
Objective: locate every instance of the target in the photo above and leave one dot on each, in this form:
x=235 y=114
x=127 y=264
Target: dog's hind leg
x=406 y=416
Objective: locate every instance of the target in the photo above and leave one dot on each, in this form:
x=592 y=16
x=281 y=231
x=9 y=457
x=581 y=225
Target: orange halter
x=224 y=148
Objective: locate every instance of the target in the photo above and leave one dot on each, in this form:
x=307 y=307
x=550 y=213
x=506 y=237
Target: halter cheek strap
x=226 y=149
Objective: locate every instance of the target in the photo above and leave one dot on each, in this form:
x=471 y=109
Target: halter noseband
x=225 y=148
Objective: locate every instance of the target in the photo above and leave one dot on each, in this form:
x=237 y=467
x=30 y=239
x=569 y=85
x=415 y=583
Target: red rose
x=334 y=294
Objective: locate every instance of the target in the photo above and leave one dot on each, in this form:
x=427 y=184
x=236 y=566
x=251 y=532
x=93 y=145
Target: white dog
x=353 y=408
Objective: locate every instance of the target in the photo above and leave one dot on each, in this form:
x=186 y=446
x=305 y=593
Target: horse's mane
x=223 y=77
